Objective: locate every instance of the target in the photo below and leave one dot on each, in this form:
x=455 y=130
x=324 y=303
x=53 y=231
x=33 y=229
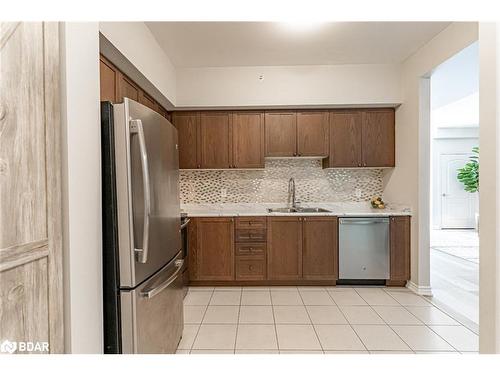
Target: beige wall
x=135 y=41
x=288 y=85
x=412 y=156
x=81 y=155
x=489 y=197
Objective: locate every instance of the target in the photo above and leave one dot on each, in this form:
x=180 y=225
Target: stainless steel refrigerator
x=142 y=258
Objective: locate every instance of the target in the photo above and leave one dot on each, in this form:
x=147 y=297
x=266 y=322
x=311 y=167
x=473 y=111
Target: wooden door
x=187 y=124
x=126 y=89
x=400 y=248
x=147 y=100
x=281 y=134
x=215 y=249
x=31 y=297
x=312 y=133
x=378 y=138
x=320 y=248
x=214 y=140
x=345 y=139
x=108 y=80
x=284 y=248
x=248 y=139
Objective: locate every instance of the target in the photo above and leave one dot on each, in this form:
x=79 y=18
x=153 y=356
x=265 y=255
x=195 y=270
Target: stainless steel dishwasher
x=363 y=248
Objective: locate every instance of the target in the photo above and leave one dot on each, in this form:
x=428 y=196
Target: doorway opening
x=454 y=203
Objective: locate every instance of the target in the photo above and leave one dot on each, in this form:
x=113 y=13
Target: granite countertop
x=352 y=209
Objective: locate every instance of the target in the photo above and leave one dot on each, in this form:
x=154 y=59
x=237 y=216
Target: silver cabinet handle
x=137 y=128
x=150 y=293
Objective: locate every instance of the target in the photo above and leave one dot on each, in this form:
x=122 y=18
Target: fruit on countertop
x=377 y=202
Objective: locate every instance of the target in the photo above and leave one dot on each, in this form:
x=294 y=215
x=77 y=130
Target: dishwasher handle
x=364 y=221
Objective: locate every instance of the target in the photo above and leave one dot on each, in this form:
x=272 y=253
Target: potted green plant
x=468 y=175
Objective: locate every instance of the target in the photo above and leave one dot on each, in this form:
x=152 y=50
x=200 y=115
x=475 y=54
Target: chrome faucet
x=291 y=192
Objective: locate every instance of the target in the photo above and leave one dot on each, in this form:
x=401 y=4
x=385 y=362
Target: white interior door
x=458 y=207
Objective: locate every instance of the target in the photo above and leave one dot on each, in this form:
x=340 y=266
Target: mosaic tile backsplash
x=270 y=185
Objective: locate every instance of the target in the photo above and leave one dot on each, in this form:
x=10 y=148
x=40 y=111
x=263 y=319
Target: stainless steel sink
x=297 y=210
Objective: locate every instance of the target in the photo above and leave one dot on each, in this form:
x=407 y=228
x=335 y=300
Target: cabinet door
x=284 y=248
x=248 y=140
x=162 y=111
x=187 y=128
x=320 y=249
x=215 y=249
x=108 y=80
x=281 y=134
x=312 y=133
x=345 y=139
x=400 y=248
x=215 y=140
x=378 y=138
x=126 y=89
x=147 y=100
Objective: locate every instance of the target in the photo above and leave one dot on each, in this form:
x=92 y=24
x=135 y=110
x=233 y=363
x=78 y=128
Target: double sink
x=297 y=210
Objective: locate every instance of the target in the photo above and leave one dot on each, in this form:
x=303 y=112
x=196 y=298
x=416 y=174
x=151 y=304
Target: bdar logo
x=8 y=347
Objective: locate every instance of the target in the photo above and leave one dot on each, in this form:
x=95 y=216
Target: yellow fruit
x=381 y=205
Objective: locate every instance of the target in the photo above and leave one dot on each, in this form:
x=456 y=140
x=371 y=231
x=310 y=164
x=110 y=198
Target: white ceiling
x=216 y=44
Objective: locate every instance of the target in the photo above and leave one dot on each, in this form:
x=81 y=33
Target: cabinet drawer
x=250 y=268
x=250 y=235
x=250 y=248
x=251 y=222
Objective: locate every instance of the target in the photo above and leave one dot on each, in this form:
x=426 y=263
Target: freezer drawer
x=364 y=248
x=152 y=314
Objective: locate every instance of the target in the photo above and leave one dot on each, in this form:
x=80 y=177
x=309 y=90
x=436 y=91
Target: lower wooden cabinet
x=400 y=244
x=284 y=248
x=319 y=251
x=214 y=249
x=250 y=267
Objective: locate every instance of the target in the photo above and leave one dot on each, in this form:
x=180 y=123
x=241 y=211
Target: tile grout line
x=309 y=316
x=237 y=322
x=201 y=322
x=348 y=322
x=274 y=320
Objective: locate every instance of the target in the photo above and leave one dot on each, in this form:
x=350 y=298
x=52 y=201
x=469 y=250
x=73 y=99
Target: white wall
x=489 y=197
x=413 y=141
x=136 y=42
x=81 y=140
x=288 y=86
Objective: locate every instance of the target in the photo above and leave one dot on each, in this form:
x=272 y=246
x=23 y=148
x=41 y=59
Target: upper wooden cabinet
x=248 y=139
x=312 y=133
x=378 y=138
x=319 y=250
x=361 y=138
x=214 y=252
x=400 y=245
x=187 y=127
x=148 y=101
x=214 y=140
x=126 y=89
x=284 y=248
x=281 y=134
x=109 y=79
x=345 y=139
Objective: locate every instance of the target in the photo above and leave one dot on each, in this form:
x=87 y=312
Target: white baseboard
x=419 y=289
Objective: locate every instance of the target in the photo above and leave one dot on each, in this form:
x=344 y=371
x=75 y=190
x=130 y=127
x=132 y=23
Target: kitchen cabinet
x=248 y=140
x=108 y=78
x=126 y=89
x=320 y=248
x=213 y=249
x=280 y=134
x=147 y=101
x=284 y=245
x=251 y=249
x=378 y=138
x=214 y=140
x=312 y=133
x=361 y=138
x=187 y=128
x=345 y=139
x=399 y=232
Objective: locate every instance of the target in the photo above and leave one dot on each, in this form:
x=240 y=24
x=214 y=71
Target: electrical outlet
x=223 y=193
x=357 y=193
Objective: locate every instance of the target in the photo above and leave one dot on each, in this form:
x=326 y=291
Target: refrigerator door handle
x=151 y=292
x=137 y=128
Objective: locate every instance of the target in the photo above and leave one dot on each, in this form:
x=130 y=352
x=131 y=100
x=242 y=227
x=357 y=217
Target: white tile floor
x=302 y=320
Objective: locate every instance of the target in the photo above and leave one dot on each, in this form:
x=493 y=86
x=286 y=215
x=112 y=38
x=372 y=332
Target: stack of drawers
x=250 y=247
